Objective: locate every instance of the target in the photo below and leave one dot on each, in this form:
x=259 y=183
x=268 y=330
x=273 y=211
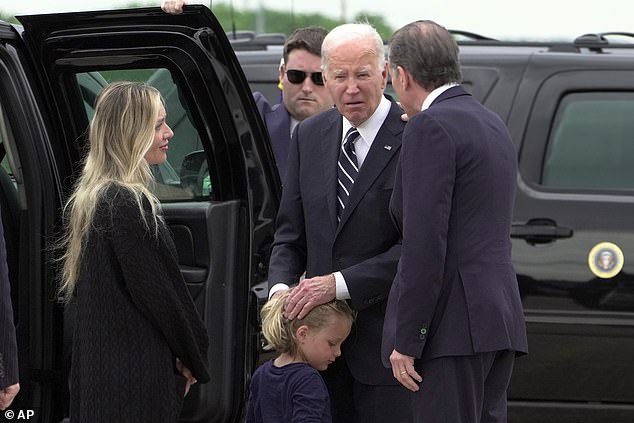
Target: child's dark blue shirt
x=295 y=393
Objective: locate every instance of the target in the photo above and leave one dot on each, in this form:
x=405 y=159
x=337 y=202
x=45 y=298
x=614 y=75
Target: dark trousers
x=464 y=389
x=354 y=402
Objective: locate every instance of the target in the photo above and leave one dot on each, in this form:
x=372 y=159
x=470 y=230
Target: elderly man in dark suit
x=303 y=91
x=9 y=385
x=334 y=223
x=454 y=315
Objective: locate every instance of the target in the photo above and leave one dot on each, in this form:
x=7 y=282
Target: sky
x=502 y=19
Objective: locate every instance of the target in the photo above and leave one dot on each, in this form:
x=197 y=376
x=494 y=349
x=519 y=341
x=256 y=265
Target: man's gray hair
x=346 y=33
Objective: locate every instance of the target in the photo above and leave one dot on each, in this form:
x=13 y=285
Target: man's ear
x=385 y=73
x=280 y=84
x=404 y=77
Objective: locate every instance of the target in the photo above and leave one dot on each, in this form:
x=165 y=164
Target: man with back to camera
x=303 y=90
x=454 y=319
x=9 y=386
x=334 y=223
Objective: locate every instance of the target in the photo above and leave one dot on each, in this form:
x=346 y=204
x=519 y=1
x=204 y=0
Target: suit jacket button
x=422 y=334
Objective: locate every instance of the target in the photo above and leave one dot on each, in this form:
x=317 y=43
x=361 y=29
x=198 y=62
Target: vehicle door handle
x=540 y=231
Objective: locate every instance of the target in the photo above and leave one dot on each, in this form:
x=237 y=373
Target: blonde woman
x=289 y=389
x=138 y=343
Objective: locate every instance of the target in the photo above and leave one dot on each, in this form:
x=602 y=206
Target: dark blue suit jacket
x=278 y=124
x=456 y=291
x=8 y=347
x=363 y=246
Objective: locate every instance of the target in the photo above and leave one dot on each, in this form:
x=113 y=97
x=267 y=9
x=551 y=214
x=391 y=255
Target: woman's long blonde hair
x=121 y=133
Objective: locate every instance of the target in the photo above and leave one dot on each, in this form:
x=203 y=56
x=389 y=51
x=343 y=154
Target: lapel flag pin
x=387 y=147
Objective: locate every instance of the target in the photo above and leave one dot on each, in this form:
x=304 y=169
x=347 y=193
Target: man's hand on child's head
x=308 y=294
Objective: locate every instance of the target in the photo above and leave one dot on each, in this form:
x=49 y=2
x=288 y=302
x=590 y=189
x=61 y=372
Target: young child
x=289 y=389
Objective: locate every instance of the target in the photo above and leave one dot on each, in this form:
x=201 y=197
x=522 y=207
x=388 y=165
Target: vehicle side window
x=591 y=143
x=9 y=202
x=8 y=179
x=185 y=174
x=4 y=161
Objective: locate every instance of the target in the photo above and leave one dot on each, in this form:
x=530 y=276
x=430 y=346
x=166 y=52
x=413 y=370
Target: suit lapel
x=386 y=144
x=330 y=140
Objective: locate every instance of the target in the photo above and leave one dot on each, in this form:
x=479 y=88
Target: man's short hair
x=428 y=51
x=308 y=38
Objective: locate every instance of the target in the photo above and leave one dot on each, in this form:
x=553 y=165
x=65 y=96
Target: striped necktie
x=347 y=170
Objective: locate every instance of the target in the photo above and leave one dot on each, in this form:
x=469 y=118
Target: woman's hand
x=7 y=394
x=187 y=374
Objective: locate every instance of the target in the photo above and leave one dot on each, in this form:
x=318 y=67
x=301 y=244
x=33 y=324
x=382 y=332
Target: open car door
x=219 y=188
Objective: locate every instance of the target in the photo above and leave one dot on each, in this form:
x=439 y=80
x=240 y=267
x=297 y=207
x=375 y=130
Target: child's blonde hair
x=279 y=331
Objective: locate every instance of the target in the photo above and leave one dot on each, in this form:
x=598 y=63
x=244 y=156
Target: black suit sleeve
x=262 y=104
x=288 y=256
x=428 y=176
x=8 y=345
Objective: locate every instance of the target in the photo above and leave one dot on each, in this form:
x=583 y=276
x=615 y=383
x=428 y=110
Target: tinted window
x=10 y=182
x=177 y=178
x=591 y=144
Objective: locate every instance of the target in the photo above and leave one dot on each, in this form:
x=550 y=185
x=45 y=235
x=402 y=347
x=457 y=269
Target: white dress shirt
x=435 y=94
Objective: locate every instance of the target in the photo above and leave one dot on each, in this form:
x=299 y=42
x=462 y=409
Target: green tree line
x=274 y=21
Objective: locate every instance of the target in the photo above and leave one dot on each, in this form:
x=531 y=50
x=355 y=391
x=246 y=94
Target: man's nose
x=307 y=85
x=351 y=86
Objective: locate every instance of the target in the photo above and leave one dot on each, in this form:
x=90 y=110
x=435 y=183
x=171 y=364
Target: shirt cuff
x=277 y=287
x=341 y=289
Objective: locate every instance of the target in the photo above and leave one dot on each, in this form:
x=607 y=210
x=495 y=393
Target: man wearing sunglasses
x=303 y=90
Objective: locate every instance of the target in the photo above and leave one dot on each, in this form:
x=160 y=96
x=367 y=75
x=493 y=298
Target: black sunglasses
x=297 y=77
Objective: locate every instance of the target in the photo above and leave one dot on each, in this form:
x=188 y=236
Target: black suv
x=570 y=109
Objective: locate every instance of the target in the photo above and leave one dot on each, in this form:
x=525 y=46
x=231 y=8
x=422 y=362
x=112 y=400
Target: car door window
x=590 y=146
x=185 y=174
x=9 y=202
x=6 y=162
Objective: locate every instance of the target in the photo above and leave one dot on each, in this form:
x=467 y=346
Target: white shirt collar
x=294 y=123
x=371 y=126
x=435 y=93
